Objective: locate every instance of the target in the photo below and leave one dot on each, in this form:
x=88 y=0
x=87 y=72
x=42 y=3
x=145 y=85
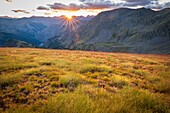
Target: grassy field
x=61 y=81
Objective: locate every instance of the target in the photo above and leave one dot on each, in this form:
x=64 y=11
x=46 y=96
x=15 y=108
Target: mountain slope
x=7 y=38
x=60 y=32
x=39 y=29
x=14 y=43
x=125 y=30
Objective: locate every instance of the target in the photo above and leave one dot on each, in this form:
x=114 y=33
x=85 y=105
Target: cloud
x=20 y=11
x=125 y=3
x=102 y=5
x=154 y=5
x=85 y=6
x=95 y=1
x=136 y=2
x=48 y=13
x=88 y=1
x=42 y=8
x=167 y=4
x=8 y=0
x=60 y=6
x=99 y=5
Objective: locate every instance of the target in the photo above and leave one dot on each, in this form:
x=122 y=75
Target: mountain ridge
x=130 y=30
x=120 y=30
x=39 y=29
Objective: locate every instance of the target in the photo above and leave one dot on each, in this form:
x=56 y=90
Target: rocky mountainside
x=34 y=30
x=12 y=40
x=124 y=30
x=62 y=31
x=23 y=29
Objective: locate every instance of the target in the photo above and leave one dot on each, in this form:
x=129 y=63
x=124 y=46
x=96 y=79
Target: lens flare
x=71 y=24
x=68 y=17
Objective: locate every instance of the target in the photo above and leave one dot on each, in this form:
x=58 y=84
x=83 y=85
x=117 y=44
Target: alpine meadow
x=62 y=81
x=85 y=56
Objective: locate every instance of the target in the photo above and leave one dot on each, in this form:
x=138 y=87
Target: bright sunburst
x=70 y=24
x=69 y=17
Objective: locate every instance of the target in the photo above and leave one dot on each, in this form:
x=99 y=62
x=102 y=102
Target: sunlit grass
x=119 y=81
x=59 y=81
x=71 y=80
x=95 y=68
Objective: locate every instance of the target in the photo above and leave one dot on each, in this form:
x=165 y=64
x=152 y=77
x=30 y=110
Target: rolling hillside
x=63 y=81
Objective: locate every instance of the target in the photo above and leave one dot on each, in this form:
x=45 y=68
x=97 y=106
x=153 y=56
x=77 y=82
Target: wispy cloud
x=60 y=6
x=103 y=4
x=42 y=8
x=167 y=4
x=130 y=3
x=85 y=6
x=8 y=0
x=155 y=5
x=21 y=11
x=136 y=2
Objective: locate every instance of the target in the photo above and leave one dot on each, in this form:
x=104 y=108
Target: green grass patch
x=95 y=68
x=119 y=81
x=71 y=80
x=9 y=79
x=55 y=84
x=140 y=72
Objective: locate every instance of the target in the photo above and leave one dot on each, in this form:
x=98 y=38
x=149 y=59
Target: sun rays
x=70 y=24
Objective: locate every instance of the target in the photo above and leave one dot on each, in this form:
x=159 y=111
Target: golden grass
x=62 y=81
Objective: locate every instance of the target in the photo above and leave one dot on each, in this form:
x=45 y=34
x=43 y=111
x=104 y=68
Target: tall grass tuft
x=95 y=68
x=119 y=81
x=71 y=80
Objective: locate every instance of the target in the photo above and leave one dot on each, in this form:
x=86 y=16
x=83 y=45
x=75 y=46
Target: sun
x=70 y=23
x=69 y=17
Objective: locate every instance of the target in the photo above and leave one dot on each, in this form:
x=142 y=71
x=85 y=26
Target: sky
x=50 y=8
